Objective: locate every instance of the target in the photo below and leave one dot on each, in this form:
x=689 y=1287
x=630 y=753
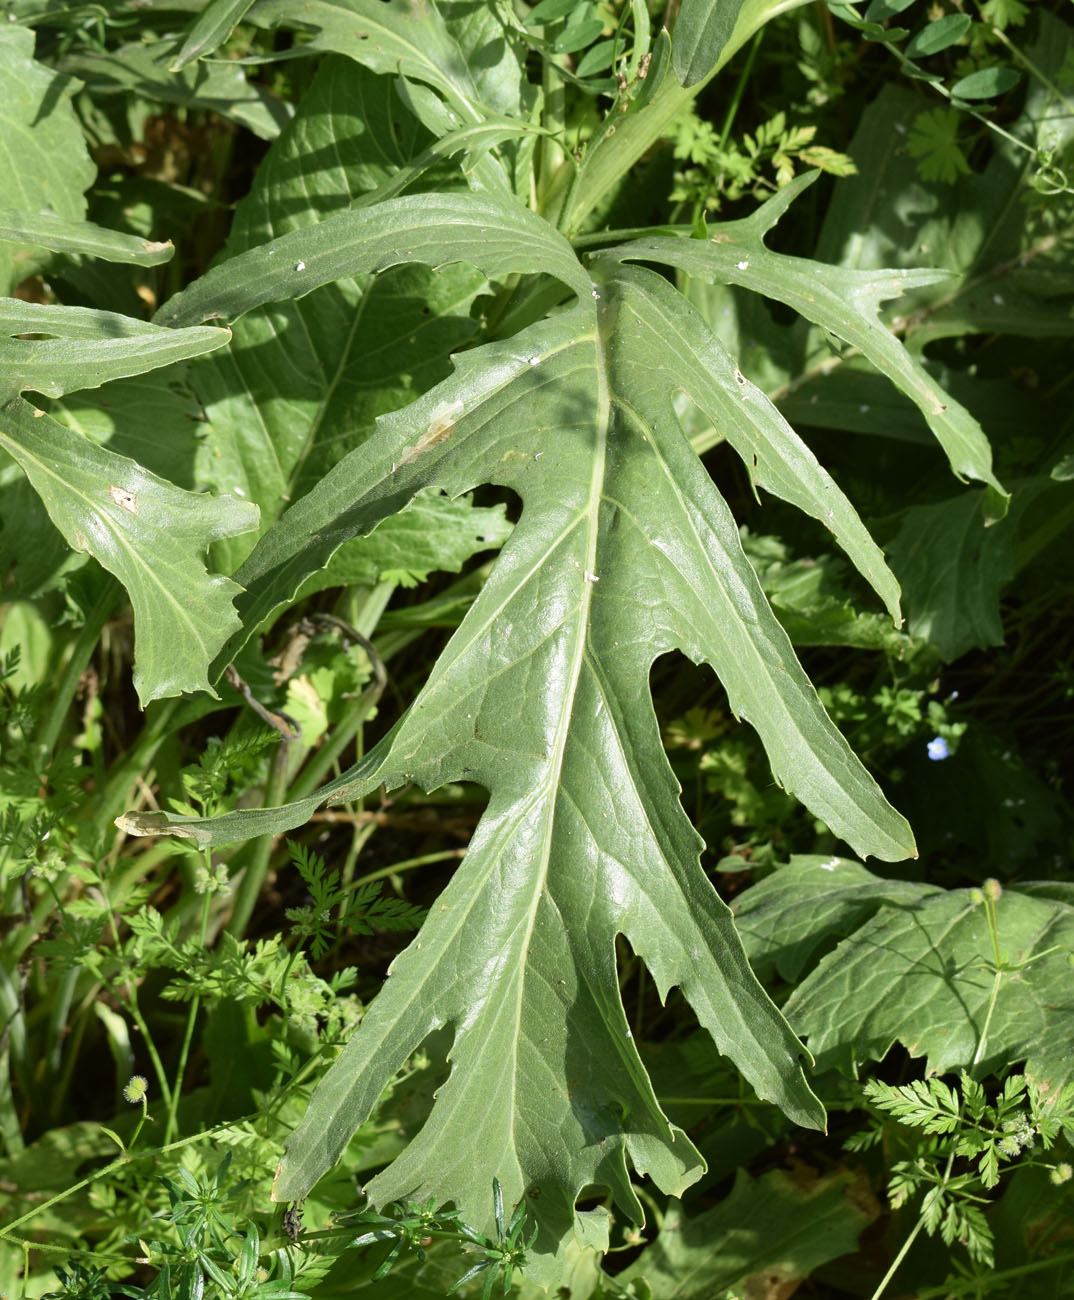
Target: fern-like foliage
x=360 y=907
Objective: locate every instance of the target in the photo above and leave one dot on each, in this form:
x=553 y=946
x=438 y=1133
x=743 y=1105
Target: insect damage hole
x=127 y=500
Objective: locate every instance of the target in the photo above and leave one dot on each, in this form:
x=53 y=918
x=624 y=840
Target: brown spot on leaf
x=440 y=426
x=123 y=498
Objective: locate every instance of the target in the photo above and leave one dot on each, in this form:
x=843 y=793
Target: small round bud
x=136 y=1089
x=1061 y=1173
x=993 y=890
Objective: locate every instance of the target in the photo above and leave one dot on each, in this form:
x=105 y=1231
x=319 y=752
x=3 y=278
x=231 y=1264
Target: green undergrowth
x=535 y=674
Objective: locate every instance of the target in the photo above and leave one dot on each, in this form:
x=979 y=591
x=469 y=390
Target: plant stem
x=83 y=648
x=253 y=876
x=895 y=1263
x=192 y=1015
x=444 y=856
x=118 y=1163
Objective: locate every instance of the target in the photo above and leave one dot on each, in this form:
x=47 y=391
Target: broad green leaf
x=209 y=30
x=432 y=534
x=844 y=302
x=954 y=568
x=702 y=29
x=764 y=1238
x=458 y=50
x=624 y=551
x=466 y=53
x=47 y=231
x=573 y=822
x=802 y=908
x=810 y=757
x=44 y=165
x=152 y=418
x=492 y=232
x=920 y=972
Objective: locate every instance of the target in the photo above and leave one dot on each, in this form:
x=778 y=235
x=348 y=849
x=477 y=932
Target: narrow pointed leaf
x=843 y=301
x=44 y=230
x=775 y=457
x=87 y=347
x=210 y=30
x=493 y=233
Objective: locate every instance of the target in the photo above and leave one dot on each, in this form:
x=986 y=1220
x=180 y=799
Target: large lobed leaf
x=624 y=551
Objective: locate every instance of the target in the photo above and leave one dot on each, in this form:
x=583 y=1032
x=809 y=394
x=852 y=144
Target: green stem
x=192 y=1015
x=118 y=1163
x=84 y=646
x=897 y=1261
x=253 y=876
x=410 y=864
x=740 y=90
x=972 y=1285
x=135 y=1013
x=1035 y=69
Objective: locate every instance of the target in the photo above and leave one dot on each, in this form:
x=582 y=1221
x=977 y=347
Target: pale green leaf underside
x=542 y=697
x=45 y=230
x=841 y=300
x=624 y=551
x=918 y=970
